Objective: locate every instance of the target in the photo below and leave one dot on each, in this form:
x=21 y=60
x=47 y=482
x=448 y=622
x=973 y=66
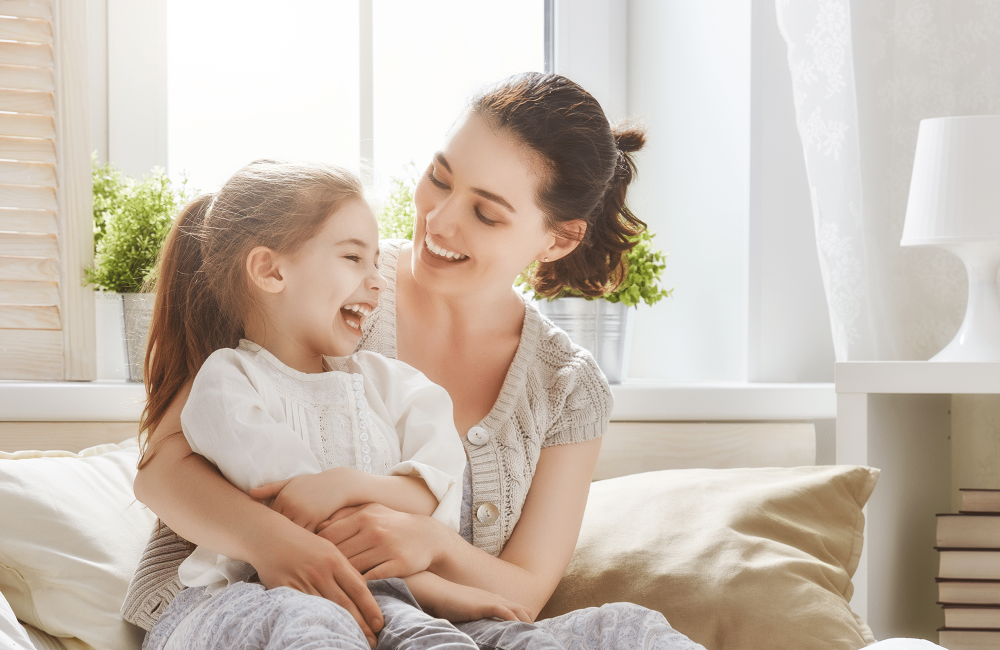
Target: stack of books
x=969 y=575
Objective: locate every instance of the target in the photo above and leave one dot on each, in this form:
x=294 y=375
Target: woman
x=531 y=173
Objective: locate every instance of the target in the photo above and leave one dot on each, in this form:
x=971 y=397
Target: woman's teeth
x=442 y=252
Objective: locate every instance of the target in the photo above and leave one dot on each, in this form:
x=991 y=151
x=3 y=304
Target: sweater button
x=487 y=513
x=478 y=436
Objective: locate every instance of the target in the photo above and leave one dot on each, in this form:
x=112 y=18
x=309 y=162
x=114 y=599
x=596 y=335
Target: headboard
x=628 y=447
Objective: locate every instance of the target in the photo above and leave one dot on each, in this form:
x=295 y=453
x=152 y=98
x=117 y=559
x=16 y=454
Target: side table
x=896 y=415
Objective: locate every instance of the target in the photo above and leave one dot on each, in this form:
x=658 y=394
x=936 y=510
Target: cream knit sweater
x=553 y=394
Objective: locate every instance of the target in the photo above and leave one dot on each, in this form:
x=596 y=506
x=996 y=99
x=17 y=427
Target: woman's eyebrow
x=496 y=198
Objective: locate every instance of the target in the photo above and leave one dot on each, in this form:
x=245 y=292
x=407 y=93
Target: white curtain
x=864 y=73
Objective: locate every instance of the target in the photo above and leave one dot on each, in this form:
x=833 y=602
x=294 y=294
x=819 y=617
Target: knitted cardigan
x=553 y=394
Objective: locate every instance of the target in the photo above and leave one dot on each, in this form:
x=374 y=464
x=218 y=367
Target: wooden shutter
x=46 y=228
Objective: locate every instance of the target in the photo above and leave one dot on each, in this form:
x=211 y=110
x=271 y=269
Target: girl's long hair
x=204 y=296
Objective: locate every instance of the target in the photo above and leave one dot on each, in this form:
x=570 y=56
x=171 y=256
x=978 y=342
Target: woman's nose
x=442 y=219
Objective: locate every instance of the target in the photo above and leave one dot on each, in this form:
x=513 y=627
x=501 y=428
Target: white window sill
x=644 y=400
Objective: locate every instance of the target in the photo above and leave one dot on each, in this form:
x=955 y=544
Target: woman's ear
x=262 y=265
x=565 y=241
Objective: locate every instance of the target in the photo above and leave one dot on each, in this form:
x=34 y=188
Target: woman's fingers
x=268 y=490
x=352 y=594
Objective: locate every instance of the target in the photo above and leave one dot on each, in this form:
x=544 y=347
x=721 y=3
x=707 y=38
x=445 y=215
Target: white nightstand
x=895 y=415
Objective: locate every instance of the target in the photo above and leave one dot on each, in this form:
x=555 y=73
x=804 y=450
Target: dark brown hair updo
x=589 y=167
x=204 y=294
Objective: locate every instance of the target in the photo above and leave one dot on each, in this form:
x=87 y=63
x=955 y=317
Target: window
x=336 y=81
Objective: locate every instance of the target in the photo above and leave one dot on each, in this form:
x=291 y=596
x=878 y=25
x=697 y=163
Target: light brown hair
x=203 y=292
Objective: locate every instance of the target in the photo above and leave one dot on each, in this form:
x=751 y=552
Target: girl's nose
x=376 y=282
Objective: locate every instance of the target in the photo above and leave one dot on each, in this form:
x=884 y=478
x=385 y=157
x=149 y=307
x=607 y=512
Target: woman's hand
x=313 y=566
x=383 y=543
x=458 y=603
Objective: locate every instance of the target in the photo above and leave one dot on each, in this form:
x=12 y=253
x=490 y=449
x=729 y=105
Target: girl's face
x=478 y=225
x=332 y=282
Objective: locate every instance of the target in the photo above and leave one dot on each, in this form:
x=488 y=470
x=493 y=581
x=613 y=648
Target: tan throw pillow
x=737 y=559
x=71 y=537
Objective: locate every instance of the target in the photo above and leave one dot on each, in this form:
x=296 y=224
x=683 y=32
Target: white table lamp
x=954 y=203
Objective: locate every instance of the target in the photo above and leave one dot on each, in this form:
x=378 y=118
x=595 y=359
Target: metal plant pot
x=604 y=328
x=137 y=309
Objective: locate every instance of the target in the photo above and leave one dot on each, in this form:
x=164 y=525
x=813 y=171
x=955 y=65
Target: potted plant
x=131 y=221
x=604 y=325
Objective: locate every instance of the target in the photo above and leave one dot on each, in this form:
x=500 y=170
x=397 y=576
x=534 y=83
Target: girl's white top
x=260 y=421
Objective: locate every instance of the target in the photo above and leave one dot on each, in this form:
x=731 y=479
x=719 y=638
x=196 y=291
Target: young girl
x=262 y=291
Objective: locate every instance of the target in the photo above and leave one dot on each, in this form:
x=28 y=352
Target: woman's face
x=478 y=225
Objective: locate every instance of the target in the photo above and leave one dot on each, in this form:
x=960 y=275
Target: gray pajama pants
x=245 y=616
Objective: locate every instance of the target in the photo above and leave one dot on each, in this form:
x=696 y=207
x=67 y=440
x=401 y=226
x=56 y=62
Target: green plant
x=397 y=214
x=131 y=220
x=643 y=275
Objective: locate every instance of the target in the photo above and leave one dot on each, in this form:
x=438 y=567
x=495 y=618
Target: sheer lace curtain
x=864 y=73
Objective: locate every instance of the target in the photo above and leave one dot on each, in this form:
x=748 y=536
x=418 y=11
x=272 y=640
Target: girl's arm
x=191 y=497
x=382 y=543
x=313 y=498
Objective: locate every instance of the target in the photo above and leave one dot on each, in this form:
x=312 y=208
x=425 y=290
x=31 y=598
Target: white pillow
x=71 y=537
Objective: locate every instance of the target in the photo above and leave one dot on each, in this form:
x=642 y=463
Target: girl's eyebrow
x=355 y=241
x=496 y=198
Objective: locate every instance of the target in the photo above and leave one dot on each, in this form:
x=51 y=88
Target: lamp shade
x=955 y=188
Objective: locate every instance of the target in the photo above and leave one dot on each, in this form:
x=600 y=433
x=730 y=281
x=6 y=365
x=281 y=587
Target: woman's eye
x=486 y=220
x=432 y=178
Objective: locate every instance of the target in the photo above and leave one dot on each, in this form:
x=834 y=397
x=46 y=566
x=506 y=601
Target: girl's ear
x=565 y=242
x=262 y=265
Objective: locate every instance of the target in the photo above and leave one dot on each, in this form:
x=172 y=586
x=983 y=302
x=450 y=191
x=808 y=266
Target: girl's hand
x=307 y=500
x=383 y=543
x=458 y=603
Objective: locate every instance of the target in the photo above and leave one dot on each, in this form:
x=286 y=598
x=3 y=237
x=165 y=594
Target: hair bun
x=629 y=137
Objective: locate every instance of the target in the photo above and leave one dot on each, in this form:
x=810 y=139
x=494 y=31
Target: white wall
x=789 y=325
x=689 y=80
x=722 y=184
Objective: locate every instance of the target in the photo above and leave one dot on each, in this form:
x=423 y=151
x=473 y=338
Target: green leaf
x=131 y=221
x=641 y=283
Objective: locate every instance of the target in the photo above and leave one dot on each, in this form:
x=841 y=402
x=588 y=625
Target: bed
x=729 y=529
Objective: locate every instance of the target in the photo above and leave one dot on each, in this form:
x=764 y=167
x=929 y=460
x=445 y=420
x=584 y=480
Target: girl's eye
x=437 y=183
x=353 y=258
x=486 y=220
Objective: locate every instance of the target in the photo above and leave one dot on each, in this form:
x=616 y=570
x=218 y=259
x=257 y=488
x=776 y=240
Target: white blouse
x=260 y=421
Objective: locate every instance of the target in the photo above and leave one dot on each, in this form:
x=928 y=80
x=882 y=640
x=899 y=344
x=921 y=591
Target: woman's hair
x=204 y=295
x=588 y=169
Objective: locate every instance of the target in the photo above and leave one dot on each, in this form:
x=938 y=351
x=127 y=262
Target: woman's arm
x=191 y=497
x=382 y=543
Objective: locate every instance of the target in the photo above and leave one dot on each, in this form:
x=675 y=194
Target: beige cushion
x=71 y=537
x=737 y=559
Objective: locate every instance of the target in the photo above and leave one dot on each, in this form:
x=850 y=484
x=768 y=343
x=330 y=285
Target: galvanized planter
x=137 y=310
x=604 y=328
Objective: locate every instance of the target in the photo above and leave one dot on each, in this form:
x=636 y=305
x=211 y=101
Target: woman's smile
x=442 y=252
